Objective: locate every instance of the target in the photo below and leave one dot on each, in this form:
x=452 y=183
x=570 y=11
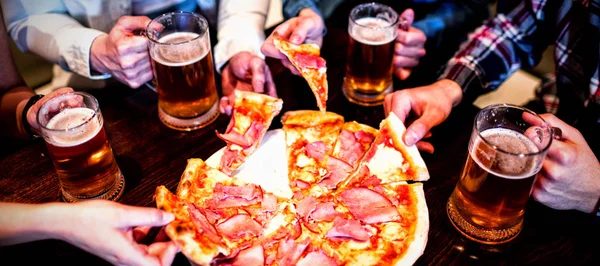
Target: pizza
x=250 y=119
x=369 y=216
x=307 y=59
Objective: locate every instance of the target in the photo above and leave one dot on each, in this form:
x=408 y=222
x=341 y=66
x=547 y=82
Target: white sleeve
x=241 y=27
x=55 y=37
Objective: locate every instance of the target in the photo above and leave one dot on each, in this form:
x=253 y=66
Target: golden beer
x=369 y=66
x=184 y=73
x=79 y=149
x=488 y=202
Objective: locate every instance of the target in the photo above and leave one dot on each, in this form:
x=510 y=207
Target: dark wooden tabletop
x=149 y=154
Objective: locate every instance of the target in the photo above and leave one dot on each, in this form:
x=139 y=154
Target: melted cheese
x=384 y=160
x=303 y=160
x=242 y=123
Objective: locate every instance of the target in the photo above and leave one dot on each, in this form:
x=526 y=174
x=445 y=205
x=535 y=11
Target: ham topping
x=369 y=206
x=202 y=225
x=235 y=196
x=338 y=170
x=239 y=226
x=316 y=150
x=252 y=256
x=306 y=206
x=324 y=212
x=343 y=228
x=289 y=251
x=309 y=61
x=269 y=202
x=316 y=258
x=244 y=140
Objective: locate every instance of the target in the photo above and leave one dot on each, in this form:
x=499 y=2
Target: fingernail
x=410 y=138
x=167 y=217
x=295 y=39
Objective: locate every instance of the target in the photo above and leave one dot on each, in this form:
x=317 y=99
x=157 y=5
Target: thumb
x=403 y=73
x=132 y=23
x=139 y=216
x=302 y=29
x=415 y=132
x=408 y=15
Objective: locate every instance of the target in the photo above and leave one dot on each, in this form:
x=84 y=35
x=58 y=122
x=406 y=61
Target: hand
x=33 y=110
x=122 y=53
x=570 y=175
x=248 y=72
x=307 y=27
x=431 y=104
x=410 y=47
x=106 y=229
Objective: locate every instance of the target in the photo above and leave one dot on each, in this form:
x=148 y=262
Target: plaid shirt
x=509 y=42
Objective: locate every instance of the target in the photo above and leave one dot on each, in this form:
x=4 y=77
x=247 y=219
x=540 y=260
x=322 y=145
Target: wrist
x=97 y=50
x=24 y=107
x=452 y=90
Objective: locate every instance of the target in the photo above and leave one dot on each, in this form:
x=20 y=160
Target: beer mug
x=372 y=28
x=182 y=63
x=507 y=148
x=73 y=129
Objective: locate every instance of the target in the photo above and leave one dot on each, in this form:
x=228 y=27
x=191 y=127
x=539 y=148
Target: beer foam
x=180 y=55
x=365 y=33
x=75 y=120
x=509 y=141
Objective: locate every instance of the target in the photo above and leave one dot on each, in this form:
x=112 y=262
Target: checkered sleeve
x=500 y=47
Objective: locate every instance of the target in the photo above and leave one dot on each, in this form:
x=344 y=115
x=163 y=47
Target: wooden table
x=149 y=154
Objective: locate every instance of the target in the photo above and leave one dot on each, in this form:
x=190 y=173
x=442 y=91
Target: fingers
x=568 y=132
x=409 y=51
x=304 y=26
x=405 y=62
x=164 y=251
x=130 y=216
x=225 y=107
x=562 y=152
x=257 y=71
x=412 y=37
x=33 y=111
x=403 y=73
x=425 y=146
x=269 y=84
x=118 y=250
x=408 y=15
x=399 y=103
x=132 y=23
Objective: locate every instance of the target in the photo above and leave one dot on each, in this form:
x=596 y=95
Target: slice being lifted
x=389 y=159
x=252 y=115
x=307 y=60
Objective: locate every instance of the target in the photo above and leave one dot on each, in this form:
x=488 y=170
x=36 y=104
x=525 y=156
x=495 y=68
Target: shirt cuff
x=464 y=72
x=75 y=45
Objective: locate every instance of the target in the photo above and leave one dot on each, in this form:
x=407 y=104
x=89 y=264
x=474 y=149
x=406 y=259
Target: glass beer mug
x=507 y=148
x=183 y=70
x=372 y=28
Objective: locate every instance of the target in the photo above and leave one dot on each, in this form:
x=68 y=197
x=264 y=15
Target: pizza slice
x=251 y=117
x=307 y=60
x=310 y=138
x=389 y=159
x=353 y=142
x=198 y=240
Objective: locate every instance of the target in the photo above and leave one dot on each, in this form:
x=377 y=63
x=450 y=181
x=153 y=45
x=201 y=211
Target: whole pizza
x=345 y=194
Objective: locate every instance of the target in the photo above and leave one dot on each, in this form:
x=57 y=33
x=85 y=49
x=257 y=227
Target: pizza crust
x=417 y=246
x=398 y=129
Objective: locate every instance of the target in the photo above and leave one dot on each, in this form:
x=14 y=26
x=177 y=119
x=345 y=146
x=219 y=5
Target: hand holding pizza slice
x=307 y=59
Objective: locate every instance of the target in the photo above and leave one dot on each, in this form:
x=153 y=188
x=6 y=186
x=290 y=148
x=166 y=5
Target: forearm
x=497 y=49
x=20 y=223
x=241 y=28
x=291 y=8
x=12 y=103
x=57 y=38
